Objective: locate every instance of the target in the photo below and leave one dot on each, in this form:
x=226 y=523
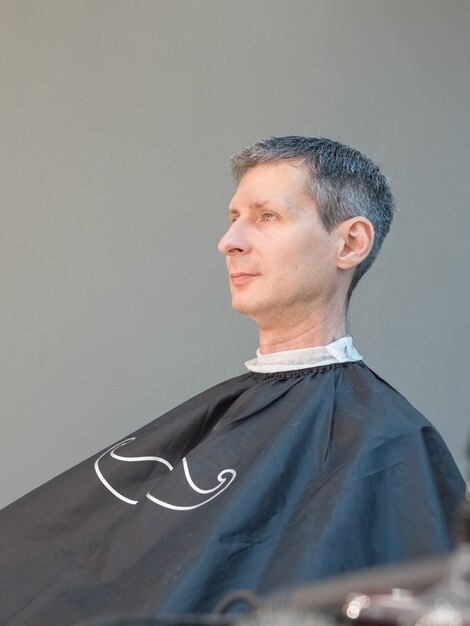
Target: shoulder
x=381 y=423
x=370 y=400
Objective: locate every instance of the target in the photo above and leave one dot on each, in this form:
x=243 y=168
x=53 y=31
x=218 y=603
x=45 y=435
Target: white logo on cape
x=225 y=478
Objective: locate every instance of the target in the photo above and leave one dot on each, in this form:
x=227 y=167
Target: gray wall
x=117 y=119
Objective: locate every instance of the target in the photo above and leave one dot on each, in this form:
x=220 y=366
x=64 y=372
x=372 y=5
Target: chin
x=254 y=310
x=242 y=306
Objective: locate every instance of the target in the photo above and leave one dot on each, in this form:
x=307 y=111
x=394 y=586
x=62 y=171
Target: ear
x=356 y=237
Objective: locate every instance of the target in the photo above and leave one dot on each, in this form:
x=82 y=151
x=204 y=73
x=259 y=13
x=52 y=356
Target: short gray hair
x=344 y=183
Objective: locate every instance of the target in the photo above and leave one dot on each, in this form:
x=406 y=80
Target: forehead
x=281 y=182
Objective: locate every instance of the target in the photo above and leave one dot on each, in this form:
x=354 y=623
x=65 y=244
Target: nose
x=235 y=240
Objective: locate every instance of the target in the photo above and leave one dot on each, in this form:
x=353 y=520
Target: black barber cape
x=263 y=481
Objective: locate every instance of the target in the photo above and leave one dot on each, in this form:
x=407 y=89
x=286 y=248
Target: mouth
x=241 y=278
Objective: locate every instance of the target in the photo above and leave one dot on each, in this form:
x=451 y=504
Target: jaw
x=293 y=321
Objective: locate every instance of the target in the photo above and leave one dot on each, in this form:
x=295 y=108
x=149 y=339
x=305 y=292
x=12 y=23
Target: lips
x=241 y=278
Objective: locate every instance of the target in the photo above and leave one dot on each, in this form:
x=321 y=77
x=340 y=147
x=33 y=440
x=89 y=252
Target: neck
x=306 y=333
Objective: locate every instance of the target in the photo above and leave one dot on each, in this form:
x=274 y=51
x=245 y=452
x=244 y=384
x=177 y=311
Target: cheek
x=295 y=269
x=311 y=261
x=304 y=256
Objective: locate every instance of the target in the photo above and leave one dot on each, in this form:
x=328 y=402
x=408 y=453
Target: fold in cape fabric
x=263 y=481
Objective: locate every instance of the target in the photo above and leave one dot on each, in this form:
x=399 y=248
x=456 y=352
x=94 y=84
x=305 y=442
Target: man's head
x=344 y=183
x=302 y=228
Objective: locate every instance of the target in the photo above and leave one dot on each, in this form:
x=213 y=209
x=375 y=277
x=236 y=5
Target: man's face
x=280 y=258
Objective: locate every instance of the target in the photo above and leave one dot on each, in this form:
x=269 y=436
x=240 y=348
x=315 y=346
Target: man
x=291 y=267
x=305 y=467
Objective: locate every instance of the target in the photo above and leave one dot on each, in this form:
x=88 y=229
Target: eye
x=269 y=217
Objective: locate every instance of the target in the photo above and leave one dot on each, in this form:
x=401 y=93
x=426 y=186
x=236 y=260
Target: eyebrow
x=252 y=205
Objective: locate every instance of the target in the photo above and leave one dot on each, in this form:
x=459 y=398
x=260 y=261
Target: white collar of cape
x=339 y=351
